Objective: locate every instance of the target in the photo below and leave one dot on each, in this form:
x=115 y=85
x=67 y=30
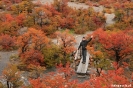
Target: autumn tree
x=65 y=19
x=57 y=81
x=118 y=44
x=8 y=25
x=87 y=20
x=7 y=42
x=20 y=19
x=60 y=5
x=98 y=60
x=110 y=79
x=28 y=22
x=66 y=42
x=37 y=83
x=61 y=79
x=25 y=6
x=9 y=28
x=45 y=18
x=41 y=14
x=52 y=55
x=67 y=70
x=37 y=71
x=107 y=80
x=31 y=45
x=123 y=13
x=12 y=76
x=32 y=39
x=128 y=6
x=34 y=57
x=81 y=23
x=119 y=15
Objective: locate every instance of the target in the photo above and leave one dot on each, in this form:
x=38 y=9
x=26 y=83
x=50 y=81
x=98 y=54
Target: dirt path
x=4 y=60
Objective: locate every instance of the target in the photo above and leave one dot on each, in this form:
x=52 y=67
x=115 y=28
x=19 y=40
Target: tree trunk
x=99 y=71
x=117 y=58
x=8 y=85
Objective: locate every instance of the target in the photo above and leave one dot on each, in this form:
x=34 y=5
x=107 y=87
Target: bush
x=7 y=42
x=52 y=56
x=80 y=31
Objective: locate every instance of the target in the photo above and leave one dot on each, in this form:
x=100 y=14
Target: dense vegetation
x=30 y=27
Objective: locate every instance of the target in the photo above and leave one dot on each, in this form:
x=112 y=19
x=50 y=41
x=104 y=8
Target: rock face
x=109 y=18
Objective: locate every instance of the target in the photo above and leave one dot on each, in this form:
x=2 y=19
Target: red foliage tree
x=12 y=76
x=66 y=42
x=37 y=83
x=8 y=24
x=7 y=42
x=20 y=19
x=33 y=57
x=58 y=80
x=66 y=22
x=110 y=79
x=107 y=80
x=9 y=17
x=67 y=70
x=32 y=39
x=50 y=10
x=117 y=44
